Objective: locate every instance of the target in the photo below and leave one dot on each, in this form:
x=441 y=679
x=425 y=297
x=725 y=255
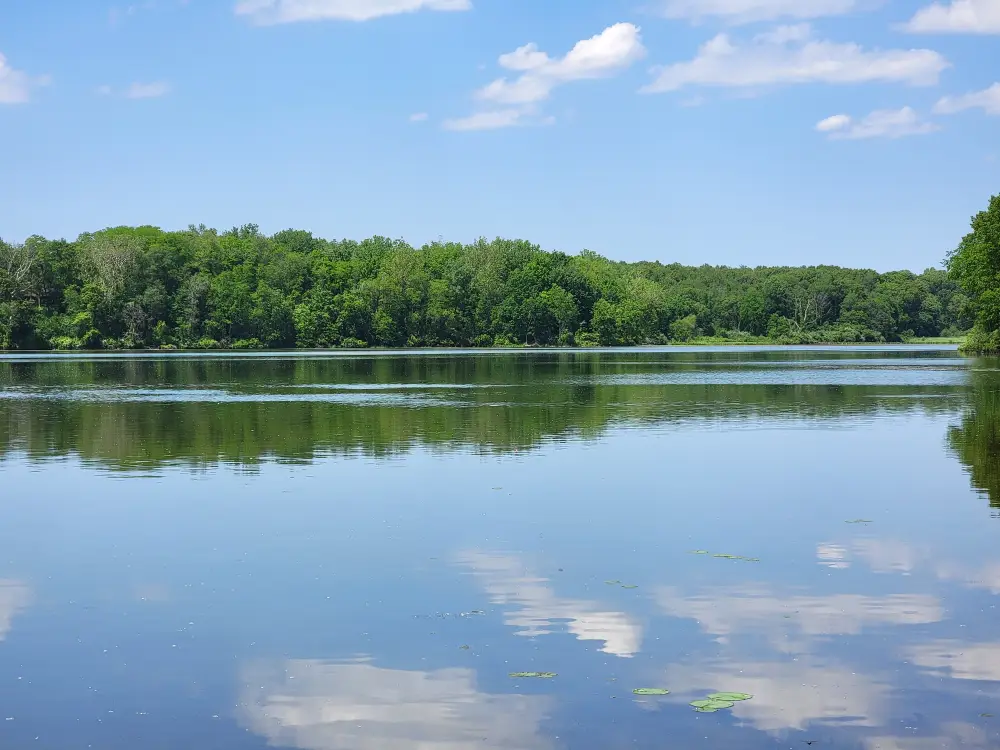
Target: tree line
x=142 y=287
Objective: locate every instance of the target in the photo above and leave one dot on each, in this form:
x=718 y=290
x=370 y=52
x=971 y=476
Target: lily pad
x=730 y=697
x=651 y=691
x=464 y=647
x=629 y=586
x=711 y=705
x=699 y=552
x=859 y=520
x=613 y=583
x=534 y=675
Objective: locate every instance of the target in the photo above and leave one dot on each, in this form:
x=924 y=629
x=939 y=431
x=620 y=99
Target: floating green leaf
x=534 y=675
x=711 y=706
x=987 y=716
x=730 y=696
x=629 y=586
x=464 y=647
x=699 y=552
x=651 y=691
x=612 y=583
x=859 y=520
x=736 y=557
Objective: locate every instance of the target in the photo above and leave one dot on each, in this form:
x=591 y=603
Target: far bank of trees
x=141 y=287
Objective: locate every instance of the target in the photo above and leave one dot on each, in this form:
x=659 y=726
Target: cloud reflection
x=317 y=705
x=958 y=659
x=726 y=611
x=789 y=695
x=538 y=609
x=955 y=734
x=14 y=596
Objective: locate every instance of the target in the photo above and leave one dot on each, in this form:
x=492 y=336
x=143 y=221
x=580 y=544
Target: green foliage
x=141 y=287
x=975 y=264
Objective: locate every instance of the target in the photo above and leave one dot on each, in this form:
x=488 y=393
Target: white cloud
x=958 y=659
x=315 y=705
x=538 y=610
x=147 y=90
x=268 y=12
x=749 y=11
x=957 y=17
x=790 y=55
x=882 y=123
x=490 y=120
x=14 y=596
x=104 y=90
x=988 y=100
x=601 y=56
x=419 y=117
x=16 y=85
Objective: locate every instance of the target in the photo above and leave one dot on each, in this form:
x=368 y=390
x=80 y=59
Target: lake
x=356 y=551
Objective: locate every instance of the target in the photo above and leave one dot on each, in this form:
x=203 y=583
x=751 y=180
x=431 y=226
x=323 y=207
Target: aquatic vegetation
x=534 y=675
x=737 y=557
x=613 y=583
x=651 y=691
x=859 y=520
x=718 y=701
x=730 y=696
x=723 y=555
x=629 y=586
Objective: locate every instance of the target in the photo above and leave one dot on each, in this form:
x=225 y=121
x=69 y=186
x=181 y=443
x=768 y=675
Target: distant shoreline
x=945 y=343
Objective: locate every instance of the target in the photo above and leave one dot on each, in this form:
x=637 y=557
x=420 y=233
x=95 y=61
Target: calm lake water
x=355 y=551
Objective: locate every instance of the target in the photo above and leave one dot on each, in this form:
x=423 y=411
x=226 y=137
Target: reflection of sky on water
x=725 y=611
x=14 y=596
x=219 y=608
x=534 y=609
x=316 y=705
x=789 y=694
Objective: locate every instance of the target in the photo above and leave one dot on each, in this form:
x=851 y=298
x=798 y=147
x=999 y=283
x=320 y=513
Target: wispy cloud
x=16 y=85
x=147 y=90
x=790 y=55
x=419 y=117
x=268 y=12
x=491 y=120
x=601 y=56
x=957 y=17
x=882 y=123
x=987 y=100
x=749 y=11
x=137 y=90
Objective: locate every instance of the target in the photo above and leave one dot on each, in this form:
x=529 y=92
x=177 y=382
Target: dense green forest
x=975 y=265
x=129 y=288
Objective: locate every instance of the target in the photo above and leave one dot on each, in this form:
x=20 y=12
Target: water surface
x=355 y=551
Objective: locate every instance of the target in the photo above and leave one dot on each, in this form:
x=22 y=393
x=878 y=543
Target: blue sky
x=744 y=132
